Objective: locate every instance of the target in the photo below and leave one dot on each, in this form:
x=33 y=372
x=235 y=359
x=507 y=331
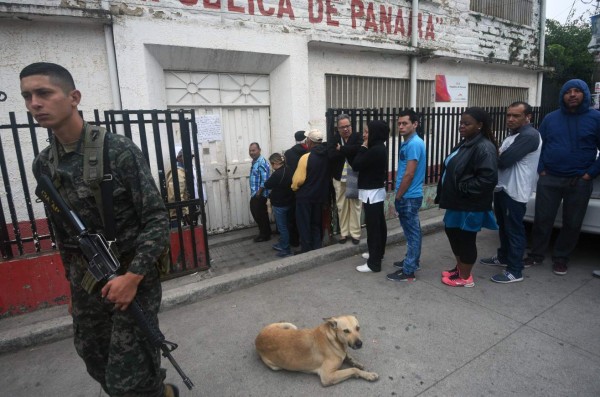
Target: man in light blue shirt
x=409 y=193
x=259 y=173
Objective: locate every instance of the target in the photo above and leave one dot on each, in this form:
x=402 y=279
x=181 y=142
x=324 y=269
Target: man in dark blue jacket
x=568 y=164
x=311 y=184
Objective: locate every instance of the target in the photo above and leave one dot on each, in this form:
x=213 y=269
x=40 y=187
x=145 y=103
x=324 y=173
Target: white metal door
x=240 y=103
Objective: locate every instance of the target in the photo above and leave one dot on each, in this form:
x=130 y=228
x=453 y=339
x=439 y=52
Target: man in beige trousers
x=341 y=150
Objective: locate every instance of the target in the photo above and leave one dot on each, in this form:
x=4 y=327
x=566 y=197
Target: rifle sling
x=106 y=187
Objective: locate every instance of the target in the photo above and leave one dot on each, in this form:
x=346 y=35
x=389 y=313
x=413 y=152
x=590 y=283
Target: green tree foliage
x=566 y=51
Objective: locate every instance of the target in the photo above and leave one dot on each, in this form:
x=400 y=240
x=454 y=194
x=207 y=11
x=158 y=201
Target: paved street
x=535 y=338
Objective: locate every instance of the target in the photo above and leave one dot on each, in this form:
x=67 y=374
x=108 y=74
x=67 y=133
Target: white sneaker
x=364 y=268
x=365 y=255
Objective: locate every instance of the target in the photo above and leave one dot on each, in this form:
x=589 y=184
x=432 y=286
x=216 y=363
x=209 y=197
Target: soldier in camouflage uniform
x=114 y=349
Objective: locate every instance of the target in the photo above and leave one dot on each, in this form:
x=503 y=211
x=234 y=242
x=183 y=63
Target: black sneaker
x=399 y=275
x=400 y=265
x=531 y=261
x=492 y=261
x=506 y=277
x=559 y=268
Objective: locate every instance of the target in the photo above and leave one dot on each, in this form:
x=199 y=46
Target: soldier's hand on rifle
x=122 y=289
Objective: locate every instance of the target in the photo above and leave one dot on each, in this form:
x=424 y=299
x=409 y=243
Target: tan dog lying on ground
x=320 y=350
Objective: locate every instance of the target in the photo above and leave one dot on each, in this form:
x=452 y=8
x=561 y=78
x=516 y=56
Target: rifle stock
x=103 y=266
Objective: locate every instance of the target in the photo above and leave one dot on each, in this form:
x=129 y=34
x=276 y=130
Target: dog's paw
x=370 y=376
x=353 y=363
x=358 y=365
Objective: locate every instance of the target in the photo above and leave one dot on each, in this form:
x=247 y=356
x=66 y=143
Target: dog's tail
x=284 y=325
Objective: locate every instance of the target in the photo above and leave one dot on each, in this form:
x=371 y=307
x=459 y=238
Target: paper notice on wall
x=209 y=128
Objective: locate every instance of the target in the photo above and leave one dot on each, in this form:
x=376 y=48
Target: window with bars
x=494 y=95
x=517 y=11
x=363 y=92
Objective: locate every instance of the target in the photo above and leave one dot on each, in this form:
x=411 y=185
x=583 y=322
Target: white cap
x=314 y=135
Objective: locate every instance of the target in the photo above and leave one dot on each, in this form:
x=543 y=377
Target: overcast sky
x=559 y=9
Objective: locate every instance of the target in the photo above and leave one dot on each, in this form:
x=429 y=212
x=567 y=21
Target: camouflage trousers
x=115 y=351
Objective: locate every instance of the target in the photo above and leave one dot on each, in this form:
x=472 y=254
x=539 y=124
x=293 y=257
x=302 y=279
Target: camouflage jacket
x=140 y=215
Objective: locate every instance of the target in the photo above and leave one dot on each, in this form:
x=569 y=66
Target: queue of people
x=482 y=185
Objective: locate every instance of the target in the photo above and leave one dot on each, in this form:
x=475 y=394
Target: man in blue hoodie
x=568 y=164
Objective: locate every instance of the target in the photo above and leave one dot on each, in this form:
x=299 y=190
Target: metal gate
x=24 y=227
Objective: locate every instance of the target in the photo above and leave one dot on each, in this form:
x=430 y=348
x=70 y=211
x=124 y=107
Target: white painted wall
x=79 y=47
x=141 y=73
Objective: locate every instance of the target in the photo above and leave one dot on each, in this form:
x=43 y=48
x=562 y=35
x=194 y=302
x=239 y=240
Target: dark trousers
x=376 y=234
x=463 y=244
x=509 y=215
x=293 y=226
x=309 y=220
x=551 y=190
x=258 y=209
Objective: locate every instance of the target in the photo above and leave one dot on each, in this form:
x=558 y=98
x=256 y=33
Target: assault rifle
x=103 y=266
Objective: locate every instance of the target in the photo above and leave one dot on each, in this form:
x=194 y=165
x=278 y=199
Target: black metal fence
x=438 y=128
x=27 y=230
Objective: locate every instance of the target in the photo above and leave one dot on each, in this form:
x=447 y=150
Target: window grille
x=494 y=95
x=517 y=11
x=374 y=92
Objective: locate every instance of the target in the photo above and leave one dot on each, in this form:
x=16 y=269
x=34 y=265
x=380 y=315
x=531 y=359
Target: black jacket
x=280 y=183
x=337 y=158
x=371 y=163
x=315 y=175
x=293 y=154
x=471 y=177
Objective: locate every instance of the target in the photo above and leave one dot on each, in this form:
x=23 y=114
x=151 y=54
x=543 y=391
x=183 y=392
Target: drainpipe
x=413 y=59
x=540 y=82
x=111 y=55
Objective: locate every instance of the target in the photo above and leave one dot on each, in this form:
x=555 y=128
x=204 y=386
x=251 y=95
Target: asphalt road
x=540 y=337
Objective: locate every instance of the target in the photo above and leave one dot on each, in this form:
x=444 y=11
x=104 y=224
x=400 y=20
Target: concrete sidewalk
x=237 y=262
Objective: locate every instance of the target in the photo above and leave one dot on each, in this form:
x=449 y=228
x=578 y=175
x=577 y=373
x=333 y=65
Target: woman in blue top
x=465 y=191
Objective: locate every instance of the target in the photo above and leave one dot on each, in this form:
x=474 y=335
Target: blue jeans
x=408 y=213
x=509 y=215
x=282 y=219
x=551 y=190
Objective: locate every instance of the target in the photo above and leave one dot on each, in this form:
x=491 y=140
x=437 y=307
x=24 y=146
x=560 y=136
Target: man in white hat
x=311 y=184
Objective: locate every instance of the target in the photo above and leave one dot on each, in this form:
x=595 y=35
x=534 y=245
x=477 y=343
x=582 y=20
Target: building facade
x=258 y=70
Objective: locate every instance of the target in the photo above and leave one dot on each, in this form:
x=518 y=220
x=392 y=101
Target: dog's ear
x=332 y=322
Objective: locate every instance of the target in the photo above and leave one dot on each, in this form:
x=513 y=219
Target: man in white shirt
x=517 y=175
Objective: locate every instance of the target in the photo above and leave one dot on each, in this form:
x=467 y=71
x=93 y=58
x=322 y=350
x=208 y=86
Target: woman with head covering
x=371 y=163
x=465 y=191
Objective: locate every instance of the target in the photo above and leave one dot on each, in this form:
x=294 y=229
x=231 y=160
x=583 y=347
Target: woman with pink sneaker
x=465 y=191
